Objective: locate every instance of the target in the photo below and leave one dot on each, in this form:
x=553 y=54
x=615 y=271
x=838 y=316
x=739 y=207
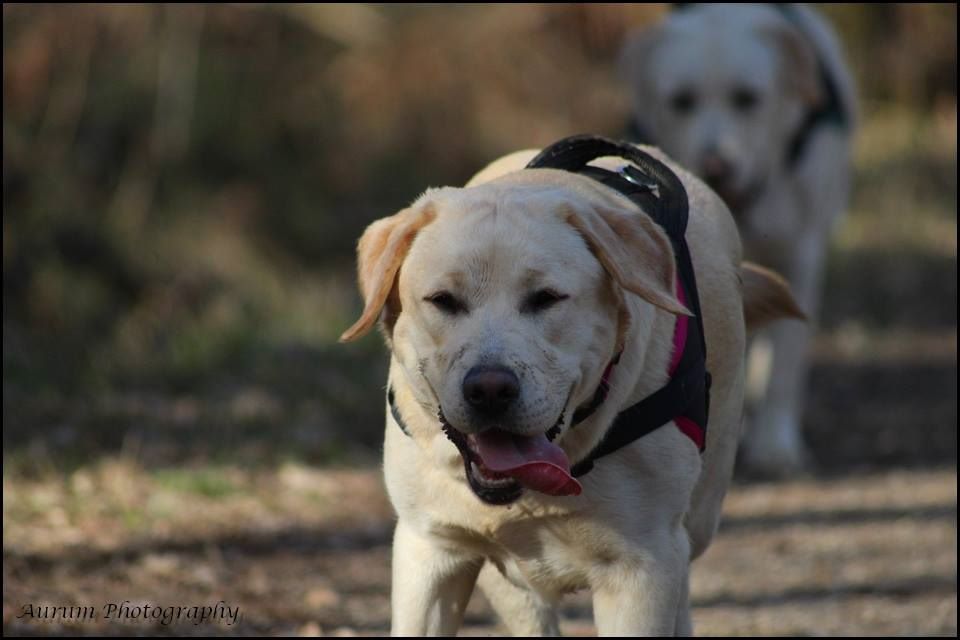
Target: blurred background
x=183 y=188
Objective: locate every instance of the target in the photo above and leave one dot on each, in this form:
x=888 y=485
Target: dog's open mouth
x=499 y=464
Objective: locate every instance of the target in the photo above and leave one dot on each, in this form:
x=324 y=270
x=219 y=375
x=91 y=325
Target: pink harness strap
x=687 y=426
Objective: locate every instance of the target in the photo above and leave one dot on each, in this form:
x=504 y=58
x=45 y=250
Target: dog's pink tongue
x=533 y=461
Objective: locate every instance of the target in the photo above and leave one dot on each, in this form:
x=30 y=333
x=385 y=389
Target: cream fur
x=646 y=510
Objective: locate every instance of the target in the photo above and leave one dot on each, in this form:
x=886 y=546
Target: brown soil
x=874 y=554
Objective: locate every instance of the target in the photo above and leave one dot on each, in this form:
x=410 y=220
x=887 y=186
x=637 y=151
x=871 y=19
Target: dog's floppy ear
x=380 y=252
x=800 y=69
x=634 y=63
x=636 y=51
x=633 y=250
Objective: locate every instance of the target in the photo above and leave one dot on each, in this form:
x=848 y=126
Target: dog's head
x=503 y=304
x=722 y=89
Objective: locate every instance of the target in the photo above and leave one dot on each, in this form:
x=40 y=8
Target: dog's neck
x=642 y=369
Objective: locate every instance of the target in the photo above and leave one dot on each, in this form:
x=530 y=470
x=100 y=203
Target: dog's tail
x=766 y=297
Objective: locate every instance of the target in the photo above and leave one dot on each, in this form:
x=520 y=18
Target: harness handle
x=573 y=153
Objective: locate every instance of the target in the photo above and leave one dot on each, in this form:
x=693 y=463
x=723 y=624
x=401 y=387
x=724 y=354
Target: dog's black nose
x=716 y=171
x=490 y=390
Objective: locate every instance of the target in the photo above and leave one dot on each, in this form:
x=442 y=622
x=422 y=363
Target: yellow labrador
x=504 y=304
x=757 y=101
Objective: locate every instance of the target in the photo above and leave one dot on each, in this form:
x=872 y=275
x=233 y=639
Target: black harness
x=658 y=192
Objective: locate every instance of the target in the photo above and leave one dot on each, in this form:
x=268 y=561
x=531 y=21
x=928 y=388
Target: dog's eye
x=683 y=102
x=744 y=99
x=446 y=302
x=542 y=300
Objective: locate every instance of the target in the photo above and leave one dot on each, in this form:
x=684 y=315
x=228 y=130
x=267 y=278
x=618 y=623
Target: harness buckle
x=634 y=176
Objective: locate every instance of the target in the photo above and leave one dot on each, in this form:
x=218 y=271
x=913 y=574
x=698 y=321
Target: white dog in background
x=757 y=100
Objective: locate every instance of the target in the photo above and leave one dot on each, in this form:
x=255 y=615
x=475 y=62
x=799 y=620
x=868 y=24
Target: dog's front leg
x=431 y=584
x=642 y=596
x=775 y=444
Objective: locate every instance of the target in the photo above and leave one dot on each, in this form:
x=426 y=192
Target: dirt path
x=873 y=554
